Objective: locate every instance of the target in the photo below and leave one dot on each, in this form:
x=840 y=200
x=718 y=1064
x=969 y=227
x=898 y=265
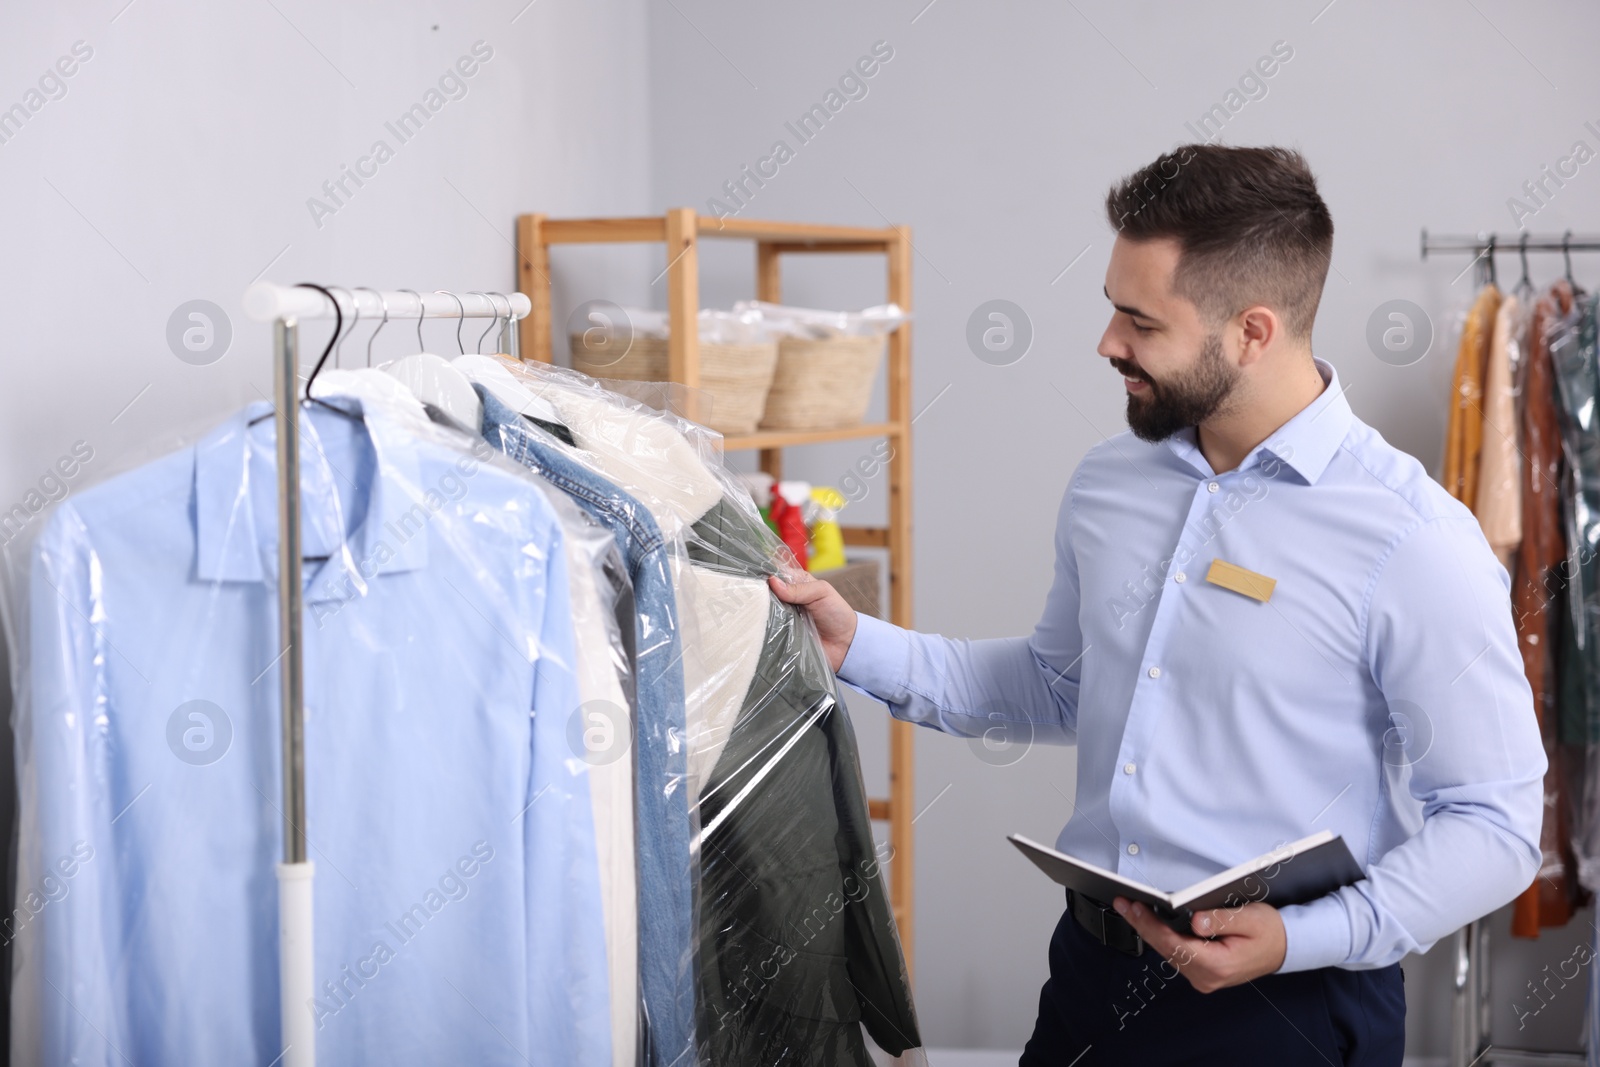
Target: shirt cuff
x=877 y=658
x=1318 y=934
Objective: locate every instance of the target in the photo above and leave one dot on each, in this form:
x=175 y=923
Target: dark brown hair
x=1249 y=221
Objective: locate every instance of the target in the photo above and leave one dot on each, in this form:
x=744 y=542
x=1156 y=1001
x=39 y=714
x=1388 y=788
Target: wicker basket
x=822 y=385
x=735 y=377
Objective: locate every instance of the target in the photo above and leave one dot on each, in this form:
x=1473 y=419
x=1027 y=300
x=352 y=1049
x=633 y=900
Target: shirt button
x=1127 y=768
x=1155 y=672
x=1213 y=487
x=1180 y=577
x=1133 y=849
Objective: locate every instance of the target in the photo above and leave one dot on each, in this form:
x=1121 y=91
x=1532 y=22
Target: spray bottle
x=788 y=513
x=827 y=540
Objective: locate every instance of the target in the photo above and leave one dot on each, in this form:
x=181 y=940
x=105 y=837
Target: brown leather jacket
x=1538 y=600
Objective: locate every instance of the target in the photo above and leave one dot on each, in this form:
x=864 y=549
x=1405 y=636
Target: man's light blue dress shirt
x=1378 y=693
x=457 y=910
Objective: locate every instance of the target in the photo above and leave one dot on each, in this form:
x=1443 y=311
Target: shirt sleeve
x=1461 y=735
x=970 y=688
x=66 y=924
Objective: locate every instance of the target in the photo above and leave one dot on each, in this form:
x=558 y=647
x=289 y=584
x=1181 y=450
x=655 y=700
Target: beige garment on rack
x=1499 y=500
x=611 y=790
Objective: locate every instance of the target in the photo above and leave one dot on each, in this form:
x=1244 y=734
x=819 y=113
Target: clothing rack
x=1469 y=1001
x=1491 y=242
x=284 y=306
x=1485 y=245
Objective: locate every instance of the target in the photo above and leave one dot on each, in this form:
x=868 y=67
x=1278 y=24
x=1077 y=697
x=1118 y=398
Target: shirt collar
x=236 y=520
x=1306 y=443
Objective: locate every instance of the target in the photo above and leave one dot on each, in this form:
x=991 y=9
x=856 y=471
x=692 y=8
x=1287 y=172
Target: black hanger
x=338 y=326
x=1522 y=250
x=1489 y=252
x=1566 y=254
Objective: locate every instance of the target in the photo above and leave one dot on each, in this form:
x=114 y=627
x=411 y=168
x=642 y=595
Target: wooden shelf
x=792 y=236
x=743 y=442
x=681 y=230
x=604 y=231
x=795 y=236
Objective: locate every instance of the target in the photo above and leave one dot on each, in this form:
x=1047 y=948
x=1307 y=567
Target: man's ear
x=1258 y=328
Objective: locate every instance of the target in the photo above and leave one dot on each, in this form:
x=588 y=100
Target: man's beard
x=1187 y=399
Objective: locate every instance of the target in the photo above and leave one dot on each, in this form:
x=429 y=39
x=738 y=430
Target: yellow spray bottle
x=827 y=540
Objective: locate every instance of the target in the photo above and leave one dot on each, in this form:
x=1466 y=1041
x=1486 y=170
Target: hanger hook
x=478 y=348
x=383 y=301
x=1522 y=250
x=338 y=324
x=461 y=317
x=509 y=319
x=1566 y=254
x=1493 y=276
x=355 y=311
x=421 y=310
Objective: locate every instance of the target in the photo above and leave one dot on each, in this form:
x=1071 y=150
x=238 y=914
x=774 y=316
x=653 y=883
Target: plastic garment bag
x=601 y=735
x=1568 y=331
x=664 y=839
x=458 y=904
x=797 y=948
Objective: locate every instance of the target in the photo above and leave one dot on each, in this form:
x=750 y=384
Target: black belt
x=1104 y=924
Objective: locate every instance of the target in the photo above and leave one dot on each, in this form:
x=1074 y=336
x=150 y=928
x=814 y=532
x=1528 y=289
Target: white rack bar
x=268 y=301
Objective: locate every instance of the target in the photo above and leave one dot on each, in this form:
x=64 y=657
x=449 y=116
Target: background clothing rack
x=1485 y=245
x=284 y=306
x=1483 y=242
x=1469 y=1001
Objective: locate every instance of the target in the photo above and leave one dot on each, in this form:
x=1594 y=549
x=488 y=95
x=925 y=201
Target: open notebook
x=1294 y=873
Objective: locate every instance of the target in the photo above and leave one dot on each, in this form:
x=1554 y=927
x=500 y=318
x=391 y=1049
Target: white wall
x=994 y=131
x=179 y=163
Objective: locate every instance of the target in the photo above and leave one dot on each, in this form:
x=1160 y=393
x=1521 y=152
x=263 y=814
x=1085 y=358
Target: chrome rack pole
x=1508 y=244
x=296 y=975
x=284 y=305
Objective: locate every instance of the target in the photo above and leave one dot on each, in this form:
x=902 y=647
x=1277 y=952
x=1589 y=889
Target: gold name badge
x=1231 y=576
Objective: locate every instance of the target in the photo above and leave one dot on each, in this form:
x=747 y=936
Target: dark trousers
x=1103 y=1007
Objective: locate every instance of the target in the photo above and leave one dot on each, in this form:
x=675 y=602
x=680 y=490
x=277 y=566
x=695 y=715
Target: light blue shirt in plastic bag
x=457 y=905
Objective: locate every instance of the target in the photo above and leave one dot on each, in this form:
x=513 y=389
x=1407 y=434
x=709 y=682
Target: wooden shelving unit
x=682 y=230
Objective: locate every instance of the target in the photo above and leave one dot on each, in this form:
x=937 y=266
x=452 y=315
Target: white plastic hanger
x=493 y=376
x=433 y=380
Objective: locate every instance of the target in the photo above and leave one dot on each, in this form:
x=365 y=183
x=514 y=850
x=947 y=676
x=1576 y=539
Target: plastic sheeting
x=785 y=321
x=1567 y=322
x=581 y=790
x=461 y=897
x=756 y=321
x=797 y=949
